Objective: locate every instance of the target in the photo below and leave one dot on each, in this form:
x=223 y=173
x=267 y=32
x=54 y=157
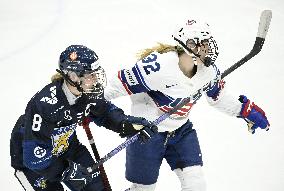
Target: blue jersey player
x=163 y=76
x=45 y=150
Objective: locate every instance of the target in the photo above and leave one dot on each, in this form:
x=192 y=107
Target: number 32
x=152 y=66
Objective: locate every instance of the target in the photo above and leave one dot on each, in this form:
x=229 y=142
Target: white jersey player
x=163 y=76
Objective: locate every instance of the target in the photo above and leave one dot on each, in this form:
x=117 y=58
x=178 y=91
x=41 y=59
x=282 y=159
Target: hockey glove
x=253 y=114
x=81 y=103
x=133 y=125
x=76 y=176
x=98 y=107
x=87 y=103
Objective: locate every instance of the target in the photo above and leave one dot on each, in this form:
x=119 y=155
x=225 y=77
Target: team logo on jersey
x=169 y=86
x=53 y=99
x=73 y=56
x=180 y=113
x=39 y=152
x=61 y=138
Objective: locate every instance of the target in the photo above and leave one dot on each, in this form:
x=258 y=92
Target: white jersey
x=156 y=85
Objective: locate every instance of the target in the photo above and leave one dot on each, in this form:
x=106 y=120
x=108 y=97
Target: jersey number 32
x=152 y=65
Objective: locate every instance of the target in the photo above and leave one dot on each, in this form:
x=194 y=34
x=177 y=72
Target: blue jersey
x=48 y=129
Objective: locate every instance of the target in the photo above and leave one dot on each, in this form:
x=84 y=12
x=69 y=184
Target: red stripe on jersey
x=185 y=109
x=182 y=110
x=124 y=84
x=162 y=109
x=178 y=112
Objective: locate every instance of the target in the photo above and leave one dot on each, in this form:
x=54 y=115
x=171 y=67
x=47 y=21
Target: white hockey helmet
x=193 y=33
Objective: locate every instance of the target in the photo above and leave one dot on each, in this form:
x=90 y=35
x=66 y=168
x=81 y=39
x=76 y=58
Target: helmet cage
x=99 y=84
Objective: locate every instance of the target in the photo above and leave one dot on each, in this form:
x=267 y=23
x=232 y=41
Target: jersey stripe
x=124 y=84
x=141 y=79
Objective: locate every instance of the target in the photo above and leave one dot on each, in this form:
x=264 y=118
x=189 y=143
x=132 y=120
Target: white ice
x=34 y=32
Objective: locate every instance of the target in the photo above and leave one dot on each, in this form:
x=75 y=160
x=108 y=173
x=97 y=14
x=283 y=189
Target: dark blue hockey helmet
x=78 y=59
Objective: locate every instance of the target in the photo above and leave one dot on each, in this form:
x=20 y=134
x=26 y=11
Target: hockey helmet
x=78 y=59
x=82 y=60
x=192 y=34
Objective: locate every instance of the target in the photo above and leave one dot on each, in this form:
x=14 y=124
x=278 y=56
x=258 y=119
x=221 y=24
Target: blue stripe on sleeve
x=140 y=77
x=139 y=85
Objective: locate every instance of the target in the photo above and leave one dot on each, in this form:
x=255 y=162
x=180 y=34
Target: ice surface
x=33 y=33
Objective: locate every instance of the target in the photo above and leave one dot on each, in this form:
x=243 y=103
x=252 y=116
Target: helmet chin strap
x=207 y=61
x=74 y=84
x=98 y=89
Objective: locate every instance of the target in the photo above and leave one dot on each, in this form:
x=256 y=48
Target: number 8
x=36 y=122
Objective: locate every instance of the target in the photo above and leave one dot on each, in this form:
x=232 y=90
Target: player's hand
x=89 y=103
x=81 y=103
x=133 y=125
x=254 y=115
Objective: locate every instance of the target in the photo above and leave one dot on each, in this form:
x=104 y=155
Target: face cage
x=213 y=50
x=101 y=82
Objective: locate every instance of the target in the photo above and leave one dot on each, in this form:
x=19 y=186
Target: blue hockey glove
x=76 y=176
x=253 y=114
x=133 y=125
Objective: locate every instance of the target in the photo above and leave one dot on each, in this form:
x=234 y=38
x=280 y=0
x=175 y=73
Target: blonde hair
x=56 y=77
x=160 y=48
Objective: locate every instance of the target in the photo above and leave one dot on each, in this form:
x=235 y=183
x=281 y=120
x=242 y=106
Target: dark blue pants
x=181 y=149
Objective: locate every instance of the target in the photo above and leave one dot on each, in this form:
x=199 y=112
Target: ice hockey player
x=45 y=150
x=162 y=77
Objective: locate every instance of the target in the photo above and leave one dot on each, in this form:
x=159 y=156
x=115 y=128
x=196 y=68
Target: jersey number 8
x=36 y=122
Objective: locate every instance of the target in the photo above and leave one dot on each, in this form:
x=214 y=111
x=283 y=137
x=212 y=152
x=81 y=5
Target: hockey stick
x=86 y=127
x=264 y=22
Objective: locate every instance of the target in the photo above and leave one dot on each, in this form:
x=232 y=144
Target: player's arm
x=241 y=107
x=218 y=97
x=126 y=82
x=106 y=114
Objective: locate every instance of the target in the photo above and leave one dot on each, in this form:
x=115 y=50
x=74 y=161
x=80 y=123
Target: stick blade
x=264 y=23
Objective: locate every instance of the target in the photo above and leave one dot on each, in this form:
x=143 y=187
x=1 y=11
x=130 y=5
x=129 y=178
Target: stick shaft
x=86 y=127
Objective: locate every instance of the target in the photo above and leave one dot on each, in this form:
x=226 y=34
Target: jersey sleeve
x=111 y=118
x=218 y=97
x=16 y=152
x=37 y=145
x=127 y=82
